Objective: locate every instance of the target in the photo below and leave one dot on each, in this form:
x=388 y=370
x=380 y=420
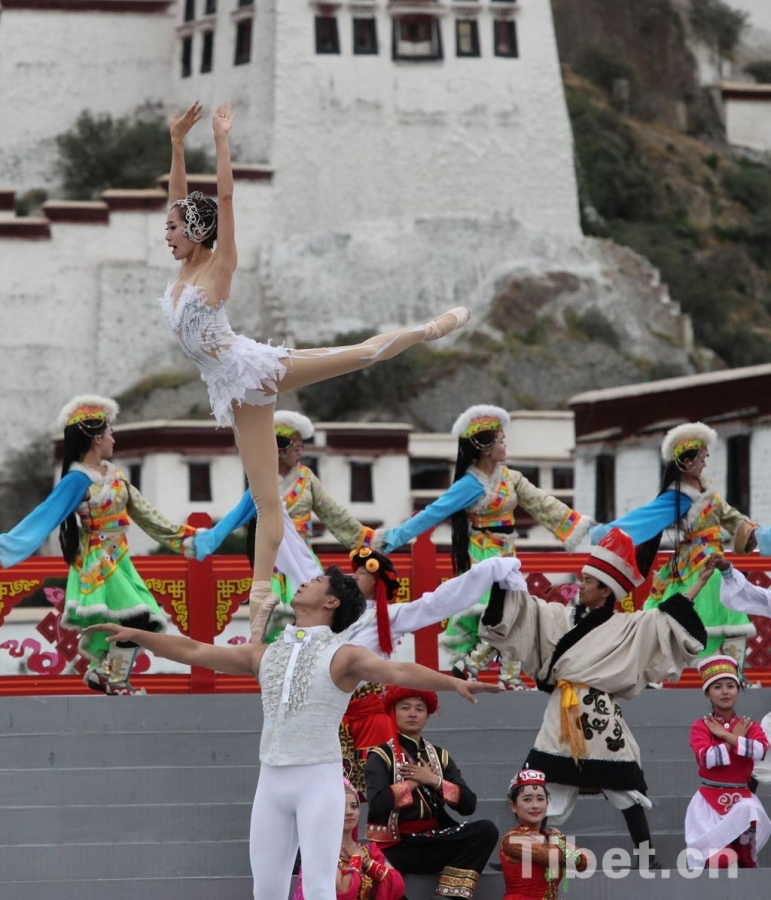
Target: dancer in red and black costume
x=410 y=782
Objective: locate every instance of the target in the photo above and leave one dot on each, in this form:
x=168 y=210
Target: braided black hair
x=77 y=442
x=468 y=454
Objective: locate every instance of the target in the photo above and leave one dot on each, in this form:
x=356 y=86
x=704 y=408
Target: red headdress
x=386 y=586
x=714 y=667
x=394 y=694
x=528 y=776
x=612 y=562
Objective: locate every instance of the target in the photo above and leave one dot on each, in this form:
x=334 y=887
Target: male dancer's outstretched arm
x=243 y=659
x=456 y=594
x=350 y=665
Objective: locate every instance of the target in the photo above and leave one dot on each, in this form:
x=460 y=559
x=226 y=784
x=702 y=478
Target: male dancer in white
x=306 y=680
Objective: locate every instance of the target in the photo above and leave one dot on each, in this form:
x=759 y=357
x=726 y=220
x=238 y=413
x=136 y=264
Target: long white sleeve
x=456 y=595
x=450 y=598
x=294 y=557
x=742 y=596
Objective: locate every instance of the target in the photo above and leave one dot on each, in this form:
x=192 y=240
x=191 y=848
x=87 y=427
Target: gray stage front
x=149 y=797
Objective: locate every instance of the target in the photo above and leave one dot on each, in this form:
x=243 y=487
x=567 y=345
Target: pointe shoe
x=447 y=322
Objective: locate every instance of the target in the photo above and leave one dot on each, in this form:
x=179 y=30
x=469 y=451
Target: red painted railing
x=201 y=598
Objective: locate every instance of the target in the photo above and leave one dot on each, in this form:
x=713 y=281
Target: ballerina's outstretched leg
x=255 y=434
x=306 y=367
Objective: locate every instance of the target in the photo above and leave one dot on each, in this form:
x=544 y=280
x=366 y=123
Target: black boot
x=639 y=831
x=494 y=612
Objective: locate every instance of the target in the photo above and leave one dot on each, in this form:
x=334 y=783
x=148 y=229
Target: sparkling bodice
x=202 y=328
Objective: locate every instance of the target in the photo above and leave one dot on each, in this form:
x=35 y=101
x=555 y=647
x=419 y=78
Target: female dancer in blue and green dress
x=703 y=522
x=481 y=504
x=93 y=505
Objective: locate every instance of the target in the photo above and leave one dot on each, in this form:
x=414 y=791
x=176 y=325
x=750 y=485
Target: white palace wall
x=350 y=138
x=55 y=63
x=388 y=189
x=366 y=137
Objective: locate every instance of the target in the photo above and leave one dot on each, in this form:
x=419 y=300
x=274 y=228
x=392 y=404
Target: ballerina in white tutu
x=244 y=376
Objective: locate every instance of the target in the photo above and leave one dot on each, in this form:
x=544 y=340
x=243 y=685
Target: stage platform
x=149 y=797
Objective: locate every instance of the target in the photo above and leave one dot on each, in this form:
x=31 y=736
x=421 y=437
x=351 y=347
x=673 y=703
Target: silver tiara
x=195 y=228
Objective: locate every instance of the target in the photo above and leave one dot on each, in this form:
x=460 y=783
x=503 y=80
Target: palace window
x=738 y=474
x=364 y=36
x=505 y=37
x=466 y=37
x=207 y=51
x=199 y=482
x=243 y=53
x=430 y=475
x=605 y=488
x=532 y=473
x=187 y=56
x=189 y=10
x=327 y=37
x=135 y=475
x=361 y=482
x=417 y=37
x=210 y=7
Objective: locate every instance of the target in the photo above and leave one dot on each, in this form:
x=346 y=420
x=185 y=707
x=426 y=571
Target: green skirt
x=707 y=605
x=462 y=632
x=119 y=598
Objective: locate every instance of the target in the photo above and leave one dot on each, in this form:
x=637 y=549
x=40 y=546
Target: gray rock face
x=551 y=315
x=405 y=271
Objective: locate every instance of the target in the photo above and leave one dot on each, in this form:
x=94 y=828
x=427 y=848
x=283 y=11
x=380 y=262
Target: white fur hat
x=86 y=407
x=689 y=436
x=288 y=423
x=480 y=418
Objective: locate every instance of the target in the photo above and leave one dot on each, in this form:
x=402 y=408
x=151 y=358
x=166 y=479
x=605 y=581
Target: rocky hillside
x=698 y=212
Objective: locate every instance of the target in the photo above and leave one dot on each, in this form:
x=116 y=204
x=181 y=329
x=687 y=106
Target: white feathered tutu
x=236 y=368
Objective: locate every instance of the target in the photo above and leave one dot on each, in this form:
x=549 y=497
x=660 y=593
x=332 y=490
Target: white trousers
x=297 y=806
x=563 y=797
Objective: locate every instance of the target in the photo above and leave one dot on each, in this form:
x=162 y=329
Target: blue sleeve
x=23 y=540
x=763 y=537
x=460 y=495
x=206 y=542
x=647 y=521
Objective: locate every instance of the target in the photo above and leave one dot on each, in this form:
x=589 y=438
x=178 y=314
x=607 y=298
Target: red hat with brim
x=394 y=694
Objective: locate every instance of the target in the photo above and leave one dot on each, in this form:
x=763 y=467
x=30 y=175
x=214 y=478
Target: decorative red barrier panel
x=201 y=598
